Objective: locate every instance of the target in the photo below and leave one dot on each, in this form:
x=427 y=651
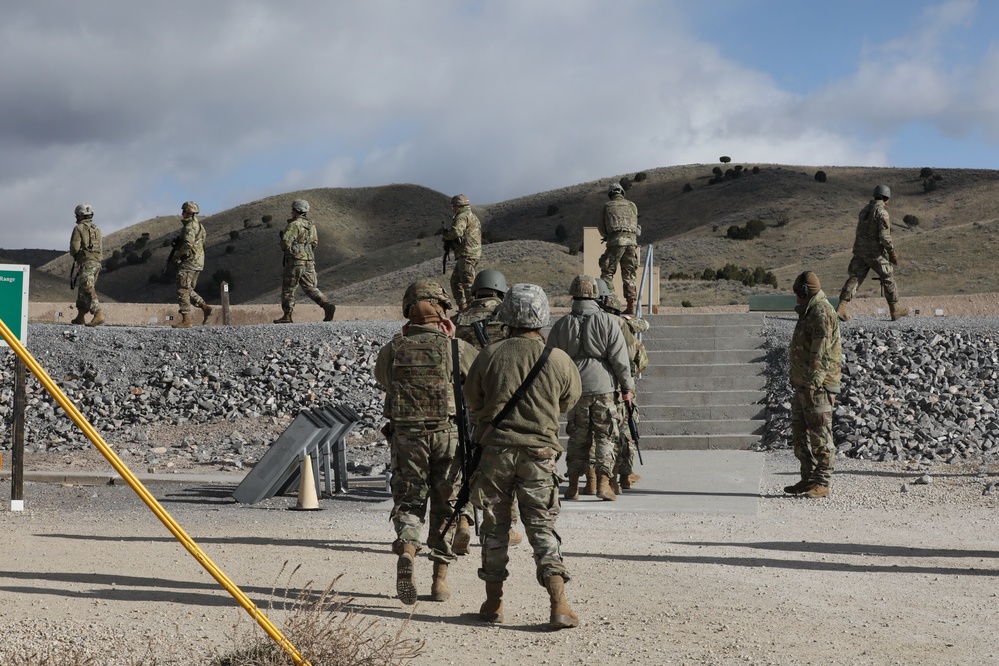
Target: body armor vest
x=421 y=379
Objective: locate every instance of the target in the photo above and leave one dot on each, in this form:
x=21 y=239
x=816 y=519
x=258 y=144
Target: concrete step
x=706 y=319
x=650 y=384
x=734 y=331
x=686 y=398
x=701 y=412
x=710 y=427
x=697 y=442
x=736 y=343
x=711 y=370
x=704 y=357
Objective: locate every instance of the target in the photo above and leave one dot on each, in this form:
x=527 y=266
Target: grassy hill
x=373 y=241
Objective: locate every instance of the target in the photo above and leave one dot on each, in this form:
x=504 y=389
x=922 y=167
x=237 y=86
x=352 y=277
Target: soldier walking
x=619 y=229
x=86 y=247
x=465 y=236
x=516 y=390
x=190 y=261
x=416 y=371
x=815 y=356
x=298 y=242
x=873 y=250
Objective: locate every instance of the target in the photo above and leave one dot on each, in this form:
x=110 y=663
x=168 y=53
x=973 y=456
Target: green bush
x=561 y=233
x=782 y=220
x=756 y=169
x=574 y=249
x=717 y=171
x=688 y=188
x=146 y=255
x=820 y=176
x=911 y=221
x=929 y=184
x=680 y=275
x=234 y=234
x=748 y=277
x=133 y=258
x=246 y=223
x=640 y=176
x=552 y=210
x=266 y=219
x=686 y=304
x=625 y=183
x=925 y=172
x=724 y=159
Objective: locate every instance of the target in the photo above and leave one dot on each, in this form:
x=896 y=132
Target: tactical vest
x=91 y=242
x=421 y=379
x=619 y=217
x=481 y=310
x=868 y=239
x=300 y=247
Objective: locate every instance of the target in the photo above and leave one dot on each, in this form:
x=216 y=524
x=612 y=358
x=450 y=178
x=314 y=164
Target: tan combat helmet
x=525 y=306
x=425 y=289
x=300 y=206
x=189 y=208
x=584 y=286
x=460 y=200
x=84 y=212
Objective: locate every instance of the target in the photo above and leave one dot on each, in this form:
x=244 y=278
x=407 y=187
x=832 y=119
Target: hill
x=374 y=240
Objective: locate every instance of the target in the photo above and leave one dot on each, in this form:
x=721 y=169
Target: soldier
x=815 y=358
x=86 y=247
x=416 y=370
x=873 y=250
x=190 y=260
x=465 y=236
x=595 y=342
x=519 y=447
x=619 y=228
x=298 y=242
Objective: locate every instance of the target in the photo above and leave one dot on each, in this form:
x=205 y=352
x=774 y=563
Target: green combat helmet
x=489 y=278
x=190 y=208
x=614 y=304
x=525 y=306
x=425 y=289
x=882 y=192
x=300 y=206
x=459 y=200
x=584 y=286
x=84 y=212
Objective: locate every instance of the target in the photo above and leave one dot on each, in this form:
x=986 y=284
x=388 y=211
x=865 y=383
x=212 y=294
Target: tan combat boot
x=514 y=536
x=897 y=311
x=815 y=490
x=633 y=479
x=572 y=490
x=562 y=616
x=206 y=311
x=841 y=311
x=328 y=310
x=404 y=586
x=614 y=484
x=491 y=609
x=630 y=307
x=624 y=482
x=462 y=536
x=185 y=321
x=97 y=320
x=80 y=318
x=604 y=490
x=285 y=318
x=591 y=482
x=439 y=591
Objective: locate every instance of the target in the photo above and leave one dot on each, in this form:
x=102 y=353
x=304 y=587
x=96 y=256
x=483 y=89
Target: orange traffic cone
x=308 y=500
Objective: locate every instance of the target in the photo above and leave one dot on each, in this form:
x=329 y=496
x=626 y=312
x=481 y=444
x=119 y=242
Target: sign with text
x=14 y=299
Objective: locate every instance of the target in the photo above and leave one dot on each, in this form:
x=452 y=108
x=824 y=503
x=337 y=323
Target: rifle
x=447 y=255
x=481 y=334
x=470 y=453
x=633 y=428
x=74 y=272
x=175 y=243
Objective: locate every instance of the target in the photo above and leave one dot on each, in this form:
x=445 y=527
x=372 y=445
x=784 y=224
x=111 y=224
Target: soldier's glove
x=893 y=258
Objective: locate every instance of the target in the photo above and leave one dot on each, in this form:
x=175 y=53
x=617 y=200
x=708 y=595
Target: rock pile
x=916 y=389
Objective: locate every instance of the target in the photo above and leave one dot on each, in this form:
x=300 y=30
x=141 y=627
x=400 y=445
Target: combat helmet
x=525 y=306
x=882 y=192
x=489 y=278
x=603 y=291
x=300 y=206
x=614 y=303
x=190 y=207
x=615 y=188
x=425 y=289
x=84 y=211
x=460 y=200
x=584 y=286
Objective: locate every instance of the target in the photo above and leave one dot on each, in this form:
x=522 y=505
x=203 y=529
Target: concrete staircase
x=704 y=387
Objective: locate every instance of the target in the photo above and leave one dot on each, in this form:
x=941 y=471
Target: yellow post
x=144 y=494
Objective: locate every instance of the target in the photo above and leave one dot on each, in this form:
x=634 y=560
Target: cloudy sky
x=135 y=107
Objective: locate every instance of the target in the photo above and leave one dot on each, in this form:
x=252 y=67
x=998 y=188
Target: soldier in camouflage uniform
x=519 y=453
x=815 y=358
x=190 y=261
x=86 y=247
x=595 y=342
x=465 y=236
x=873 y=250
x=415 y=369
x=298 y=242
x=618 y=226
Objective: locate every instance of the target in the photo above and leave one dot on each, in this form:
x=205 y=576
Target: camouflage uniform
x=86 y=246
x=480 y=310
x=639 y=357
x=190 y=260
x=815 y=358
x=872 y=250
x=415 y=369
x=465 y=235
x=519 y=458
x=595 y=342
x=618 y=226
x=298 y=242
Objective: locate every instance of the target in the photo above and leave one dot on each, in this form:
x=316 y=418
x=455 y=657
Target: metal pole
x=17 y=438
x=226 y=314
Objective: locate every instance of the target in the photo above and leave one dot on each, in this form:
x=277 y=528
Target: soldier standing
x=873 y=250
x=465 y=236
x=815 y=357
x=519 y=447
x=298 y=242
x=86 y=247
x=619 y=228
x=594 y=341
x=416 y=370
x=190 y=260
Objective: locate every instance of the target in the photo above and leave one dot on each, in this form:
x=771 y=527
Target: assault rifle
x=447 y=255
x=74 y=273
x=481 y=334
x=175 y=243
x=633 y=428
x=470 y=453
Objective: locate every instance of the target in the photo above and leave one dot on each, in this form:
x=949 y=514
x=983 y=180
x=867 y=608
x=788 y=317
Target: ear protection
x=801 y=287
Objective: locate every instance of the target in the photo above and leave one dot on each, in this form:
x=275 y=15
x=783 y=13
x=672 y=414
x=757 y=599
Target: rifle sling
x=519 y=393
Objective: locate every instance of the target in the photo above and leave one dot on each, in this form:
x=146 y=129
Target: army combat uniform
x=618 y=227
x=482 y=312
x=86 y=246
x=465 y=236
x=298 y=242
x=190 y=260
x=639 y=357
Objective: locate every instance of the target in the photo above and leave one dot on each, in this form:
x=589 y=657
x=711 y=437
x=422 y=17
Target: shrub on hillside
x=782 y=220
x=640 y=176
x=911 y=221
x=133 y=258
x=266 y=219
x=748 y=277
x=929 y=184
x=229 y=249
x=688 y=188
x=574 y=250
x=234 y=234
x=561 y=233
x=717 y=171
x=820 y=176
x=625 y=183
x=752 y=230
x=724 y=159
x=146 y=255
x=686 y=304
x=756 y=169
x=925 y=172
x=552 y=210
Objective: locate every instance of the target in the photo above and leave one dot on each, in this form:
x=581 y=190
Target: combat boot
x=815 y=490
x=630 y=307
x=614 y=484
x=404 y=585
x=633 y=479
x=80 y=318
x=491 y=609
x=328 y=310
x=462 y=536
x=206 y=312
x=797 y=488
x=572 y=490
x=285 y=318
x=604 y=490
x=897 y=311
x=185 y=321
x=97 y=320
x=562 y=616
x=624 y=482
x=841 y=311
x=439 y=591
x=591 y=482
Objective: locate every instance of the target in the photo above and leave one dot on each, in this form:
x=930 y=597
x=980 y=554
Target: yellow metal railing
x=150 y=501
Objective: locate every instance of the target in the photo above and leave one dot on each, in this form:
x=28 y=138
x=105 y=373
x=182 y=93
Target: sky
x=136 y=107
